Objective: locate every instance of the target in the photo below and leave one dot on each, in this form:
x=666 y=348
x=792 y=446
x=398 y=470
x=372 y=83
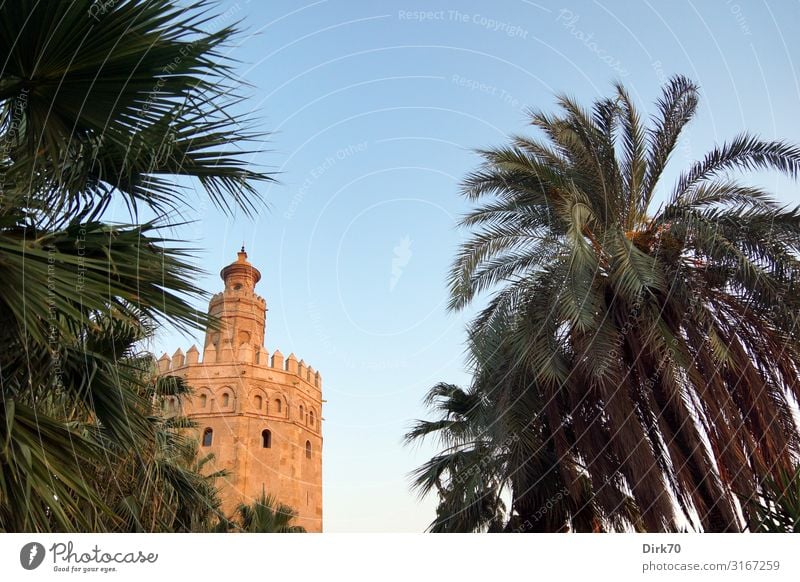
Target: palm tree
x=496 y=446
x=161 y=484
x=157 y=482
x=658 y=326
x=99 y=106
x=141 y=472
x=266 y=515
x=467 y=474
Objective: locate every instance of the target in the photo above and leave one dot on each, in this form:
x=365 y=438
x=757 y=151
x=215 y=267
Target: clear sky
x=375 y=108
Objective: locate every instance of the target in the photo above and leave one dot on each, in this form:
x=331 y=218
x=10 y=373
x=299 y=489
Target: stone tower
x=259 y=415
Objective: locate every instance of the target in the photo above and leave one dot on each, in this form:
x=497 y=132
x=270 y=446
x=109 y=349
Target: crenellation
x=246 y=353
x=210 y=354
x=163 y=363
x=291 y=364
x=226 y=353
x=177 y=359
x=192 y=355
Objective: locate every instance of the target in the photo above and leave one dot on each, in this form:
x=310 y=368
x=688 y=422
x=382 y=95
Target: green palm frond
x=777 y=510
x=114 y=97
x=267 y=515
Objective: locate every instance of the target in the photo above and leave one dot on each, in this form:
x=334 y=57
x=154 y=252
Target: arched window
x=311 y=418
x=259 y=402
x=308 y=449
x=208 y=436
x=203 y=400
x=266 y=439
x=302 y=414
x=278 y=405
x=226 y=399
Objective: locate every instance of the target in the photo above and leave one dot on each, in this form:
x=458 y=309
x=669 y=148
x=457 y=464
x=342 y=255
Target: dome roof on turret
x=241 y=266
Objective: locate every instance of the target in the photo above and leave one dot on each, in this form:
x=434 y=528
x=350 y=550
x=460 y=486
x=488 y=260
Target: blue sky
x=375 y=109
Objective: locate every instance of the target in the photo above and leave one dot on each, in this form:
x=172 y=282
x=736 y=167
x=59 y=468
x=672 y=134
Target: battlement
x=245 y=354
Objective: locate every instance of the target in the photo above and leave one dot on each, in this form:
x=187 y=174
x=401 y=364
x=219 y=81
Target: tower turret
x=241 y=311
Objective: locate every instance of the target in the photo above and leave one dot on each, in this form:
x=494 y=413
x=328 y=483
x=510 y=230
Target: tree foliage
x=265 y=515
